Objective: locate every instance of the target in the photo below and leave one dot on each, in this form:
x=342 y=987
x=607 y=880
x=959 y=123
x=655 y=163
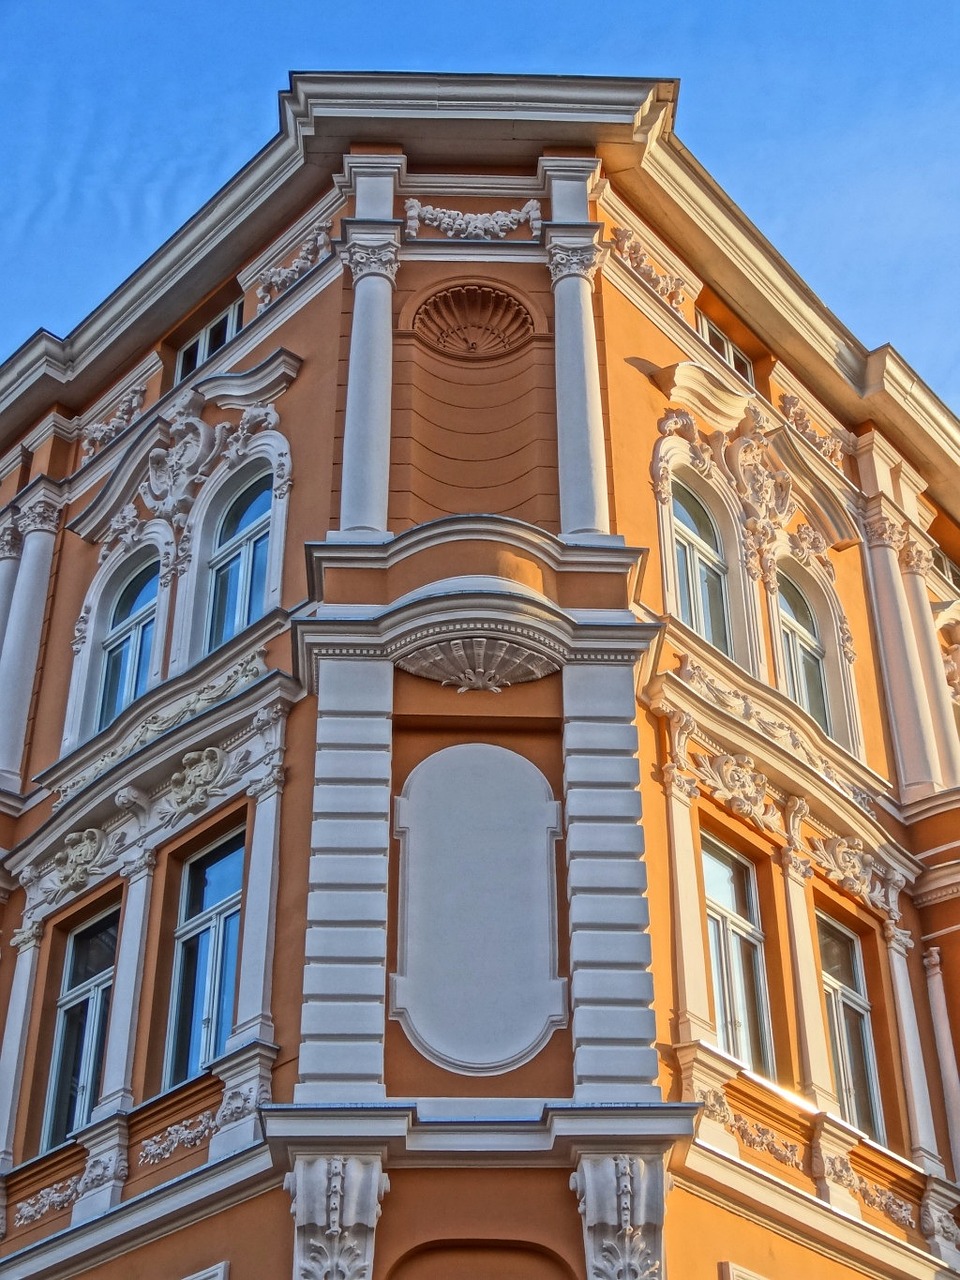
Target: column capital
x=898 y=940
x=931 y=962
x=29 y=935
x=371 y=249
x=41 y=515
x=915 y=557
x=798 y=868
x=572 y=250
x=11 y=542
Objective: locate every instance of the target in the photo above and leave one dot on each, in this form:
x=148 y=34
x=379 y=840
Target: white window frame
x=214 y=919
x=130 y=630
x=234 y=318
x=96 y=990
x=729 y=992
x=796 y=642
x=708 y=329
x=839 y=997
x=241 y=545
x=698 y=551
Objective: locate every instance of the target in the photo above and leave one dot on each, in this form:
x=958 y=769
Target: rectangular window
x=848 y=1016
x=205 y=965
x=728 y=351
x=81 y=1029
x=736 y=957
x=209 y=341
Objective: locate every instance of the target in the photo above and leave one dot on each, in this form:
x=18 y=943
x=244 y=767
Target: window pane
x=717 y=970
x=742 y=366
x=137 y=594
x=837 y=955
x=188 y=1029
x=218 y=334
x=214 y=877
x=716 y=339
x=749 y=1002
x=114 y=683
x=253 y=503
x=226 y=588
x=714 y=614
x=692 y=514
x=815 y=700
x=793 y=605
x=67 y=1085
x=683 y=584
x=258 y=579
x=228 y=983
x=93 y=951
x=99 y=1048
x=142 y=679
x=189 y=358
x=856 y=1034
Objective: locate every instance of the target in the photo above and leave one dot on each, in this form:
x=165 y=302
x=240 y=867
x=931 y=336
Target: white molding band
x=345 y=974
x=14 y=1037
x=611 y=987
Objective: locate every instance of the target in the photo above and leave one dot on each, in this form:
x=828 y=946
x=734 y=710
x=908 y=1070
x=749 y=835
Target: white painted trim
x=219 y=1271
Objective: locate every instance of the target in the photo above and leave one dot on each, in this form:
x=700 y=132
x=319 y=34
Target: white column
x=915 y=562
x=573 y=257
x=116 y=1093
x=18 y=661
x=611 y=986
x=27 y=941
x=922 y=1133
x=345 y=975
x=11 y=544
x=254 y=1020
x=946 y=1053
x=694 y=1021
x=372 y=254
x=915 y=740
x=816 y=1068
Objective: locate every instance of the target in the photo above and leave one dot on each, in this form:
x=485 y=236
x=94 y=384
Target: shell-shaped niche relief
x=473 y=320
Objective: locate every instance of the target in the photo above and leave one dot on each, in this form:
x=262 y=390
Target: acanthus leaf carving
x=622 y=1216
x=126 y=528
x=736 y=782
x=336 y=1205
x=203 y=778
x=838 y=1169
x=761 y=1138
x=97 y=434
x=845 y=863
x=276 y=280
x=669 y=287
x=799 y=419
x=951 y=669
x=11 y=542
x=80 y=629
x=807 y=544
x=83 y=855
x=573 y=260
x=185 y=1133
x=378 y=259
x=456 y=224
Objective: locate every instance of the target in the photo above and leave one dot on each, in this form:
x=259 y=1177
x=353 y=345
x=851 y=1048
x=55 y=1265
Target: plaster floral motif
x=882 y=531
x=103 y=1169
x=915 y=557
x=795 y=864
x=126 y=528
x=11 y=543
x=240 y=1103
x=186 y=1133
x=845 y=863
x=622 y=1243
x=838 y=1169
x=472 y=226
x=97 y=434
x=807 y=544
x=896 y=938
x=573 y=260
x=52 y=1199
x=203 y=777
x=669 y=287
x=760 y=1138
x=935 y=1221
x=951 y=669
x=243 y=672
x=735 y=781
x=372 y=260
x=799 y=419
x=477 y=663
x=336 y=1203
x=276 y=280
x=715 y=1105
x=83 y=855
x=80 y=629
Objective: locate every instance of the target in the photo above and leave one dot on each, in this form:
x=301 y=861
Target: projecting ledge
x=488 y=1131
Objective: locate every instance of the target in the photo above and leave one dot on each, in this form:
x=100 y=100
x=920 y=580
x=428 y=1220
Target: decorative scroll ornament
x=799 y=419
x=53 y=1199
x=101 y=1170
x=204 y=777
x=80 y=629
x=472 y=226
x=11 y=543
x=381 y=259
x=186 y=1133
x=669 y=287
x=97 y=434
x=29 y=934
x=807 y=545
x=84 y=855
x=276 y=280
x=752 y=1134
x=735 y=782
x=126 y=528
x=474 y=321
x=477 y=663
x=336 y=1204
x=620 y=1200
x=573 y=260
x=845 y=863
x=838 y=1169
x=244 y=672
x=951 y=669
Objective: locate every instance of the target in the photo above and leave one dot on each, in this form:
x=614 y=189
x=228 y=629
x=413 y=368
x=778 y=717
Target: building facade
x=479 y=764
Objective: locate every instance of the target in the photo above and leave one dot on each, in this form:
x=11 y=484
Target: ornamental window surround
x=850 y=1033
x=736 y=957
x=206 y=959
x=81 y=1028
x=209 y=340
x=727 y=350
x=701 y=572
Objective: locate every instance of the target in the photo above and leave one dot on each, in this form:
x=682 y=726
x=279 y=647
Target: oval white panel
x=477 y=988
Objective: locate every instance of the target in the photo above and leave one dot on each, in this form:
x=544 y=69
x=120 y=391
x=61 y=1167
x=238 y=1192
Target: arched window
x=803 y=652
x=128 y=643
x=701 y=571
x=238 y=564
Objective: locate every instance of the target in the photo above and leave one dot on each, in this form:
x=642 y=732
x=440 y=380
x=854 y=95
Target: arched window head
x=803 y=653
x=239 y=563
x=128 y=643
x=701 y=572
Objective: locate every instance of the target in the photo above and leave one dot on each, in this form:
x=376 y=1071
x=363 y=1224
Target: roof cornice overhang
x=493 y=119
x=668 y=186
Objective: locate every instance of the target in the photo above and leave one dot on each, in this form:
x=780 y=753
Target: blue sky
x=835 y=126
